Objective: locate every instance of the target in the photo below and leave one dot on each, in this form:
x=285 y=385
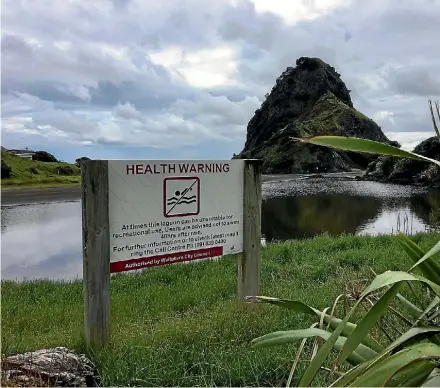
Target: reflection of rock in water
x=427 y=207
x=307 y=216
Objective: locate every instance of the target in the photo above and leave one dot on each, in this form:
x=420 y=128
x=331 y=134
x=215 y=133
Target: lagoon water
x=43 y=240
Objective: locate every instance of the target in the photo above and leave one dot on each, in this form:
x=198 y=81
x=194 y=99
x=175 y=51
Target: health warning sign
x=165 y=212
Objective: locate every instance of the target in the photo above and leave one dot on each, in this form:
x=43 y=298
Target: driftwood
x=57 y=367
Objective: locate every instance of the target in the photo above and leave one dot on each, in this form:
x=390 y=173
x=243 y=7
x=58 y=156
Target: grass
x=180 y=326
x=30 y=173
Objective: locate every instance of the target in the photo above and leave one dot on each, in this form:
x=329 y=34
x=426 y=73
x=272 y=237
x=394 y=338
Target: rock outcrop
x=308 y=100
x=408 y=171
x=49 y=367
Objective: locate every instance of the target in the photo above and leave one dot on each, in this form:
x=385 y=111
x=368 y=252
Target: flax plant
x=395 y=340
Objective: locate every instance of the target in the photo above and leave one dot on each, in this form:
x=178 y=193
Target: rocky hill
x=308 y=100
x=408 y=171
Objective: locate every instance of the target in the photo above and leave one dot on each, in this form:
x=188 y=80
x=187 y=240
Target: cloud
x=128 y=73
x=184 y=123
x=419 y=80
x=205 y=68
x=220 y=109
x=129 y=112
x=409 y=140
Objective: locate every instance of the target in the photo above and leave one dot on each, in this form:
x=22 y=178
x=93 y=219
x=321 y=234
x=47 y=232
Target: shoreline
x=22 y=196
x=26 y=194
x=41 y=186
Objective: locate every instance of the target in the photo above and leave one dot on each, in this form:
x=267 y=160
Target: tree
x=44 y=156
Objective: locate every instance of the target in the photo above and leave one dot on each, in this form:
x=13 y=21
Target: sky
x=169 y=79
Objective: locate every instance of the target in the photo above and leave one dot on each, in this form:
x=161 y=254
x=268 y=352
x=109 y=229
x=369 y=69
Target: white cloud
x=409 y=140
x=294 y=11
x=184 y=123
x=129 y=112
x=211 y=67
x=80 y=91
x=205 y=107
x=384 y=115
x=170 y=74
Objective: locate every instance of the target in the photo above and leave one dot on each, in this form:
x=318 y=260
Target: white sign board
x=163 y=212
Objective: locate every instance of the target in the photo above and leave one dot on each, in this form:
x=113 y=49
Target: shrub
x=65 y=170
x=6 y=171
x=44 y=156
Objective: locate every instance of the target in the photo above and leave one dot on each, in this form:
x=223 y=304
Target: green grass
x=30 y=173
x=180 y=326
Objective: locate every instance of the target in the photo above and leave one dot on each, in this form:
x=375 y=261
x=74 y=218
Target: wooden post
x=249 y=260
x=96 y=252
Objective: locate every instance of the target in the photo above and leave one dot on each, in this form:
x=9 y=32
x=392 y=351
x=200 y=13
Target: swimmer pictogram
x=181 y=196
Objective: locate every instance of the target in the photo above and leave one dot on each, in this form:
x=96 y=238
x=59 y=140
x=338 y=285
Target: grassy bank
x=179 y=325
x=31 y=173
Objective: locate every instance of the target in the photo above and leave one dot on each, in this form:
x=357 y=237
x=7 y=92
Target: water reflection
x=427 y=207
x=299 y=217
x=44 y=240
x=41 y=241
x=305 y=208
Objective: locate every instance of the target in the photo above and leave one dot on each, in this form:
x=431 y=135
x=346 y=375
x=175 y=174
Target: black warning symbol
x=181 y=196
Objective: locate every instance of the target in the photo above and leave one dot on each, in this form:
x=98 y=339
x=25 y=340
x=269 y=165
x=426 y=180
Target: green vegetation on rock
x=179 y=325
x=324 y=117
x=25 y=172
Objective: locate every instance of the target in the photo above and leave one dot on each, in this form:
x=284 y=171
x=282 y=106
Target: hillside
x=24 y=172
x=308 y=100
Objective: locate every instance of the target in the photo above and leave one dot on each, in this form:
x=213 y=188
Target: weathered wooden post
x=249 y=260
x=96 y=252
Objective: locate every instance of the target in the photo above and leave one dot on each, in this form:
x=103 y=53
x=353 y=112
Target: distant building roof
x=21 y=151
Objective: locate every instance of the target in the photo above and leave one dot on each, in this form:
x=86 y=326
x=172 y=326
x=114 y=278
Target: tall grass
x=180 y=325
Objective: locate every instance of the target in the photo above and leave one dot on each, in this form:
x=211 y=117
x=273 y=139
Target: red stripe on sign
x=170 y=258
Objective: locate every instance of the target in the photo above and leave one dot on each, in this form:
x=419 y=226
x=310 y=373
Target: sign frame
x=96 y=245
